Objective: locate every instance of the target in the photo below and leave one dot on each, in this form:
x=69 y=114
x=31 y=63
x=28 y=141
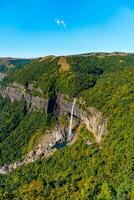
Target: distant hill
x=7 y=63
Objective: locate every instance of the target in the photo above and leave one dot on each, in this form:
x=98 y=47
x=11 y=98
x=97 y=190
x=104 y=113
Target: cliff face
x=17 y=92
x=93 y=119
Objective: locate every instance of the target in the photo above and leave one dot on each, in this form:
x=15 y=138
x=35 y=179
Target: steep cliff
x=92 y=118
x=16 y=92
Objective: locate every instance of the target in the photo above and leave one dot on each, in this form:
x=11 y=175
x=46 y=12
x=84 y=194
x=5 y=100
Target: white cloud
x=60 y=22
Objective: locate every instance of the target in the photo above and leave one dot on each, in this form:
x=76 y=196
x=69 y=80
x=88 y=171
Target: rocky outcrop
x=44 y=149
x=17 y=92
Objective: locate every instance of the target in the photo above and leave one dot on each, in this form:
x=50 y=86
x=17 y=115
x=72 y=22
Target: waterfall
x=71 y=119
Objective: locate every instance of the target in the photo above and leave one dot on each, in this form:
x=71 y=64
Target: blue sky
x=32 y=28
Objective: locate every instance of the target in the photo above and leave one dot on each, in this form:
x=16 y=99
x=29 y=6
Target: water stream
x=1 y=76
x=70 y=134
x=71 y=118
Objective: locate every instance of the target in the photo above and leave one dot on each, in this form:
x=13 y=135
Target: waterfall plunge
x=71 y=119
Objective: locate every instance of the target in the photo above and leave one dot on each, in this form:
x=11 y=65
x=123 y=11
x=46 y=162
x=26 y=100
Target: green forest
x=11 y=64
x=79 y=171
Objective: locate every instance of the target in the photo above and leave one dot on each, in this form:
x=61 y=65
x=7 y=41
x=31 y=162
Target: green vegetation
x=96 y=172
x=83 y=73
x=16 y=129
x=10 y=64
x=2 y=68
x=34 y=140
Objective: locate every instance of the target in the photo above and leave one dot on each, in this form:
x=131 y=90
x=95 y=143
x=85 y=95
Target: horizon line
x=73 y=54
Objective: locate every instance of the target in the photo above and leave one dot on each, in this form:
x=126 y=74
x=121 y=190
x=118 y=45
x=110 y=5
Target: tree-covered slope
x=82 y=73
x=80 y=171
x=11 y=63
x=16 y=128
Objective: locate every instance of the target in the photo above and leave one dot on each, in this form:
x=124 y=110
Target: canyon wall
x=92 y=118
x=17 y=92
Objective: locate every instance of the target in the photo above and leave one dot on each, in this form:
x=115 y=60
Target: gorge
x=93 y=121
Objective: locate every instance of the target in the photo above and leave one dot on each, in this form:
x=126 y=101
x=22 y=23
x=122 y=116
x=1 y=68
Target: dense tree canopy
x=80 y=171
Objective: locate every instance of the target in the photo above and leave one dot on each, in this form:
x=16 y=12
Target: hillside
x=35 y=108
x=10 y=64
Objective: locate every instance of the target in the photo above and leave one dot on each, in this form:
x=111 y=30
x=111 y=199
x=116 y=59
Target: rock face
x=94 y=120
x=17 y=92
x=44 y=149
